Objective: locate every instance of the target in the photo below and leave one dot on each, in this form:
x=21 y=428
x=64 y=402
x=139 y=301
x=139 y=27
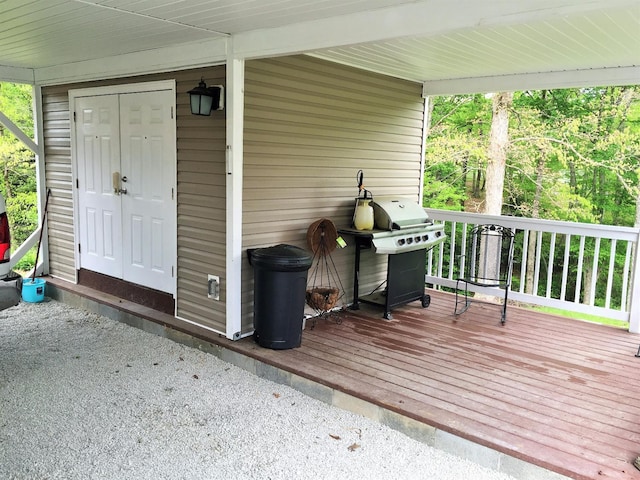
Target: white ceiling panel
x=425 y=41
x=578 y=42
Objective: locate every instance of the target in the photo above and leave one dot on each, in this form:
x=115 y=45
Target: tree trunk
x=476 y=183
x=494 y=177
x=587 y=279
x=497 y=158
x=573 y=181
x=535 y=213
x=465 y=173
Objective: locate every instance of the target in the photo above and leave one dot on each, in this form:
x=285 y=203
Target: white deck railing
x=580 y=267
x=23 y=249
x=572 y=262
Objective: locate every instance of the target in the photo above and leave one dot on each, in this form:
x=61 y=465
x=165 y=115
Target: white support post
x=235 y=126
x=40 y=176
x=634 y=305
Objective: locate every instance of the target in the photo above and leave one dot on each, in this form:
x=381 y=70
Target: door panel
x=98 y=154
x=148 y=208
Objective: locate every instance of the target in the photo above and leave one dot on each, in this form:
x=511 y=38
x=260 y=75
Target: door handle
x=115 y=178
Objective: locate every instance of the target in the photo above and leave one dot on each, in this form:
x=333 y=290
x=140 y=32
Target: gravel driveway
x=85 y=397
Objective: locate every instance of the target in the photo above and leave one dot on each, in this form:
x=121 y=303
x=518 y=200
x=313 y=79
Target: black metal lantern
x=203 y=99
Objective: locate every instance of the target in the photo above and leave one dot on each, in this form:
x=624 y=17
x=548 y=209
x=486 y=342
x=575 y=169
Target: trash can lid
x=282 y=258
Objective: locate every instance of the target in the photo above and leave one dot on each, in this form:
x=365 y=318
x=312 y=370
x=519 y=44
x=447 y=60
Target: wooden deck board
x=558 y=393
x=488 y=404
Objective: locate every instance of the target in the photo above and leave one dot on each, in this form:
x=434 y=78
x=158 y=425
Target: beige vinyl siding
x=201 y=206
x=310 y=126
x=58 y=178
x=200 y=197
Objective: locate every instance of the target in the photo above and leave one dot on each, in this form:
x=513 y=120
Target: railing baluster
x=452 y=249
x=525 y=257
x=536 y=275
x=594 y=273
x=612 y=262
x=463 y=251
x=579 y=272
x=565 y=266
x=441 y=259
x=624 y=301
x=552 y=250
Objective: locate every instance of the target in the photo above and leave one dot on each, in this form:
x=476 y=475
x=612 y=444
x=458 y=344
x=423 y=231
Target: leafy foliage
x=17 y=163
x=23 y=214
x=574 y=154
x=446 y=191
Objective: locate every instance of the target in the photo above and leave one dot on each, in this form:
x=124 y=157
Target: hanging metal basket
x=323 y=298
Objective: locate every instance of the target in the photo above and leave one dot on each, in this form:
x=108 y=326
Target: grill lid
x=397 y=213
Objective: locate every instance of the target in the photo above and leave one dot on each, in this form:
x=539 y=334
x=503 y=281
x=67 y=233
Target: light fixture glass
x=203 y=99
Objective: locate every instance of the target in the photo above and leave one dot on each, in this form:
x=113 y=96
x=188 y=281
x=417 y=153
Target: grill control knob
x=400 y=242
x=425 y=238
x=409 y=241
x=417 y=239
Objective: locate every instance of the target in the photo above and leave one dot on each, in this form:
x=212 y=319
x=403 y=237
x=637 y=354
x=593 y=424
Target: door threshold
x=148 y=297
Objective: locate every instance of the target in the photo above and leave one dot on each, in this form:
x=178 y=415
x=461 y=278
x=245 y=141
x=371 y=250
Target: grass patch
x=27 y=262
x=583 y=316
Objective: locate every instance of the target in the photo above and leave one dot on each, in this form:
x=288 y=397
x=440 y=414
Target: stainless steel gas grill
x=404 y=232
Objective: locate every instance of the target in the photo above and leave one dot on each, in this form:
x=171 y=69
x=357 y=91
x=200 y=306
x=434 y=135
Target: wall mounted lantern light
x=203 y=99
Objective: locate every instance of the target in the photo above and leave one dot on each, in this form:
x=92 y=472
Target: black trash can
x=280 y=283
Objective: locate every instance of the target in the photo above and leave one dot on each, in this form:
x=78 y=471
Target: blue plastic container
x=33 y=289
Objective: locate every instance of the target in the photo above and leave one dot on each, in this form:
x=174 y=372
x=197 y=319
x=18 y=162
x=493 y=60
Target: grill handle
x=395 y=226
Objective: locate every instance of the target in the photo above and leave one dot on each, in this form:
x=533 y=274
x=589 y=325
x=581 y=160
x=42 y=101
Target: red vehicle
x=5 y=235
x=10 y=284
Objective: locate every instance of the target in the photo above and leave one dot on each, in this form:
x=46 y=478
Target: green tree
x=17 y=162
x=604 y=151
x=540 y=160
x=456 y=152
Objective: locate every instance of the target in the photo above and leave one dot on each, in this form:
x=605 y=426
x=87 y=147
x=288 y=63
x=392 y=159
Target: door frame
x=141 y=87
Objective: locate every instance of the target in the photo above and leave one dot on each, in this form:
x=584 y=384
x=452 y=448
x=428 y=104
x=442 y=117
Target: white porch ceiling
x=451 y=46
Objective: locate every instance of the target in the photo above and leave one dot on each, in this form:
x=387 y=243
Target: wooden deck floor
x=558 y=393
x=554 y=392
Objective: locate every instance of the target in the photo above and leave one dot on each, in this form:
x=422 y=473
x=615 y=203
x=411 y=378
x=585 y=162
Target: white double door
x=125 y=151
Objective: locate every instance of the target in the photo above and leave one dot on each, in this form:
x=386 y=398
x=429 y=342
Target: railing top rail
x=570 y=228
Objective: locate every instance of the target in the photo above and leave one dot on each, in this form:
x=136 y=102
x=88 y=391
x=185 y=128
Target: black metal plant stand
x=325 y=289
